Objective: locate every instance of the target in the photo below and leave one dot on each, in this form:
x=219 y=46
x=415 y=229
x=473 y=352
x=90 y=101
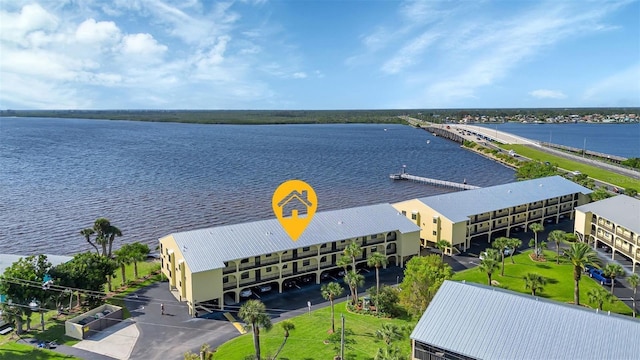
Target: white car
x=508 y=251
x=246 y=293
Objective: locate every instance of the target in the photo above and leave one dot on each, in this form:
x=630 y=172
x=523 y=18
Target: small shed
x=92 y=321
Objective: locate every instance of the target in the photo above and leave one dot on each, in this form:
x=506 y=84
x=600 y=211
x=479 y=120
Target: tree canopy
x=533 y=170
x=423 y=276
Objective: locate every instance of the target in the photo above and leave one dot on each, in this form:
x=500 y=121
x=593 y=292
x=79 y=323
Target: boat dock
x=435 y=182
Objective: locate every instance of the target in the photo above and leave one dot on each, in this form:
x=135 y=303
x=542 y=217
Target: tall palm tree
x=344 y=262
x=353 y=250
x=557 y=236
x=489 y=264
x=377 y=260
x=534 y=282
x=330 y=292
x=580 y=255
x=612 y=271
x=536 y=228
x=514 y=244
x=287 y=326
x=389 y=332
x=442 y=245
x=105 y=234
x=354 y=280
x=254 y=314
x=634 y=281
x=501 y=244
x=599 y=296
x=87 y=235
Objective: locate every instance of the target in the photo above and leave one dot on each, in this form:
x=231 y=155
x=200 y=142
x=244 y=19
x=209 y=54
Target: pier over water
x=403 y=175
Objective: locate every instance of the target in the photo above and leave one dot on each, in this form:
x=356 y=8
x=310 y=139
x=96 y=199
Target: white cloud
x=410 y=53
x=14 y=27
x=299 y=75
x=91 y=32
x=547 y=94
x=142 y=45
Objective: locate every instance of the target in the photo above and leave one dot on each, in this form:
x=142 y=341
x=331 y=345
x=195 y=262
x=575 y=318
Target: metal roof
x=7 y=260
x=208 y=249
x=622 y=210
x=458 y=206
x=489 y=323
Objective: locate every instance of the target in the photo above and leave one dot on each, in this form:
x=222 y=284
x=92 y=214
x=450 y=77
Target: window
x=435 y=233
x=306 y=262
x=323 y=259
x=244 y=275
x=435 y=220
x=268 y=255
x=225 y=279
x=404 y=213
x=269 y=268
x=244 y=261
x=414 y=216
x=374 y=236
x=306 y=248
x=285 y=266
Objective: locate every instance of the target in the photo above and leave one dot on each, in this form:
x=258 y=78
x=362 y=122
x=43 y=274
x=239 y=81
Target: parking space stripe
x=235 y=323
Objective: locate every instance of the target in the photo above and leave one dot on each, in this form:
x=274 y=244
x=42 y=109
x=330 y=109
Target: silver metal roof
x=7 y=260
x=208 y=249
x=622 y=210
x=489 y=323
x=458 y=206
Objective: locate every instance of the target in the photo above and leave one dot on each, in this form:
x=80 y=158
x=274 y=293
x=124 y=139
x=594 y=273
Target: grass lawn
x=559 y=280
x=620 y=181
x=306 y=341
x=144 y=268
x=15 y=351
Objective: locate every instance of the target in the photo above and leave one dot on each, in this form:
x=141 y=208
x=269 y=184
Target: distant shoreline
x=392 y=116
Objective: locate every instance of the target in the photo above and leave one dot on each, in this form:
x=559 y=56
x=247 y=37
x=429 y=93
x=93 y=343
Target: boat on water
x=428 y=141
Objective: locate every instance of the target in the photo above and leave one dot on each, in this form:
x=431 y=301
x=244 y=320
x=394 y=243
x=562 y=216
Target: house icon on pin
x=294 y=204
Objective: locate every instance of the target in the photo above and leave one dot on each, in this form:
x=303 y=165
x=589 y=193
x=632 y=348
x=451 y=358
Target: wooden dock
x=435 y=182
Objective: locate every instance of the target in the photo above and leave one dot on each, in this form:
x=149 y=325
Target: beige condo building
x=481 y=214
x=614 y=222
x=212 y=266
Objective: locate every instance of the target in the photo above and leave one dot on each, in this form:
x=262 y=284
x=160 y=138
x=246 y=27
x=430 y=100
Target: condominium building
x=480 y=214
x=216 y=264
x=614 y=222
x=467 y=321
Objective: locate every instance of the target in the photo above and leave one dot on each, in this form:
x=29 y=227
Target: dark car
x=290 y=283
x=599 y=276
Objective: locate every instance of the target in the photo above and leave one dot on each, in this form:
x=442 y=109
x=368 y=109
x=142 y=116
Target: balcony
x=229 y=270
x=245 y=266
x=229 y=286
x=250 y=282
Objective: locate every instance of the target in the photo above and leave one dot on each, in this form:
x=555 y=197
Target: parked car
x=290 y=283
x=599 y=276
x=246 y=293
x=263 y=288
x=507 y=251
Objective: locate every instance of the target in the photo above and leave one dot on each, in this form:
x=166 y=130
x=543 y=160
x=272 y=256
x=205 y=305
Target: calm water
x=152 y=179
x=614 y=139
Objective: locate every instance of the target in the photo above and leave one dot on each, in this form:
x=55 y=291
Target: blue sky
x=261 y=54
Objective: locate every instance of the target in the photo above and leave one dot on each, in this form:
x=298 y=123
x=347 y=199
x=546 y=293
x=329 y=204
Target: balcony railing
x=247 y=266
x=229 y=270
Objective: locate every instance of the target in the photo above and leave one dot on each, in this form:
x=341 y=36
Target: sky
x=305 y=54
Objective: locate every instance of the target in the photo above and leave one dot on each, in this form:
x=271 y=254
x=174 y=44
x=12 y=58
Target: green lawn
x=144 y=268
x=306 y=341
x=15 y=351
x=592 y=171
x=559 y=280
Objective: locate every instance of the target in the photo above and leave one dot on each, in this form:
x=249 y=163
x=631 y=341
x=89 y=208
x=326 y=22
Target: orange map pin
x=294 y=203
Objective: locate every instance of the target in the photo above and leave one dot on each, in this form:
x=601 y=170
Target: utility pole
x=342 y=339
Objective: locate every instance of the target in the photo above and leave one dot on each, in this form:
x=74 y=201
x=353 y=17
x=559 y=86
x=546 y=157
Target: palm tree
x=123 y=258
x=254 y=314
x=580 y=255
x=287 y=326
x=87 y=235
x=139 y=252
x=534 y=282
x=557 y=236
x=514 y=244
x=489 y=264
x=353 y=250
x=377 y=260
x=633 y=281
x=389 y=332
x=105 y=234
x=500 y=244
x=330 y=292
x=611 y=271
x=354 y=280
x=599 y=296
x=536 y=228
x=344 y=263
x=390 y=353
x=442 y=245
